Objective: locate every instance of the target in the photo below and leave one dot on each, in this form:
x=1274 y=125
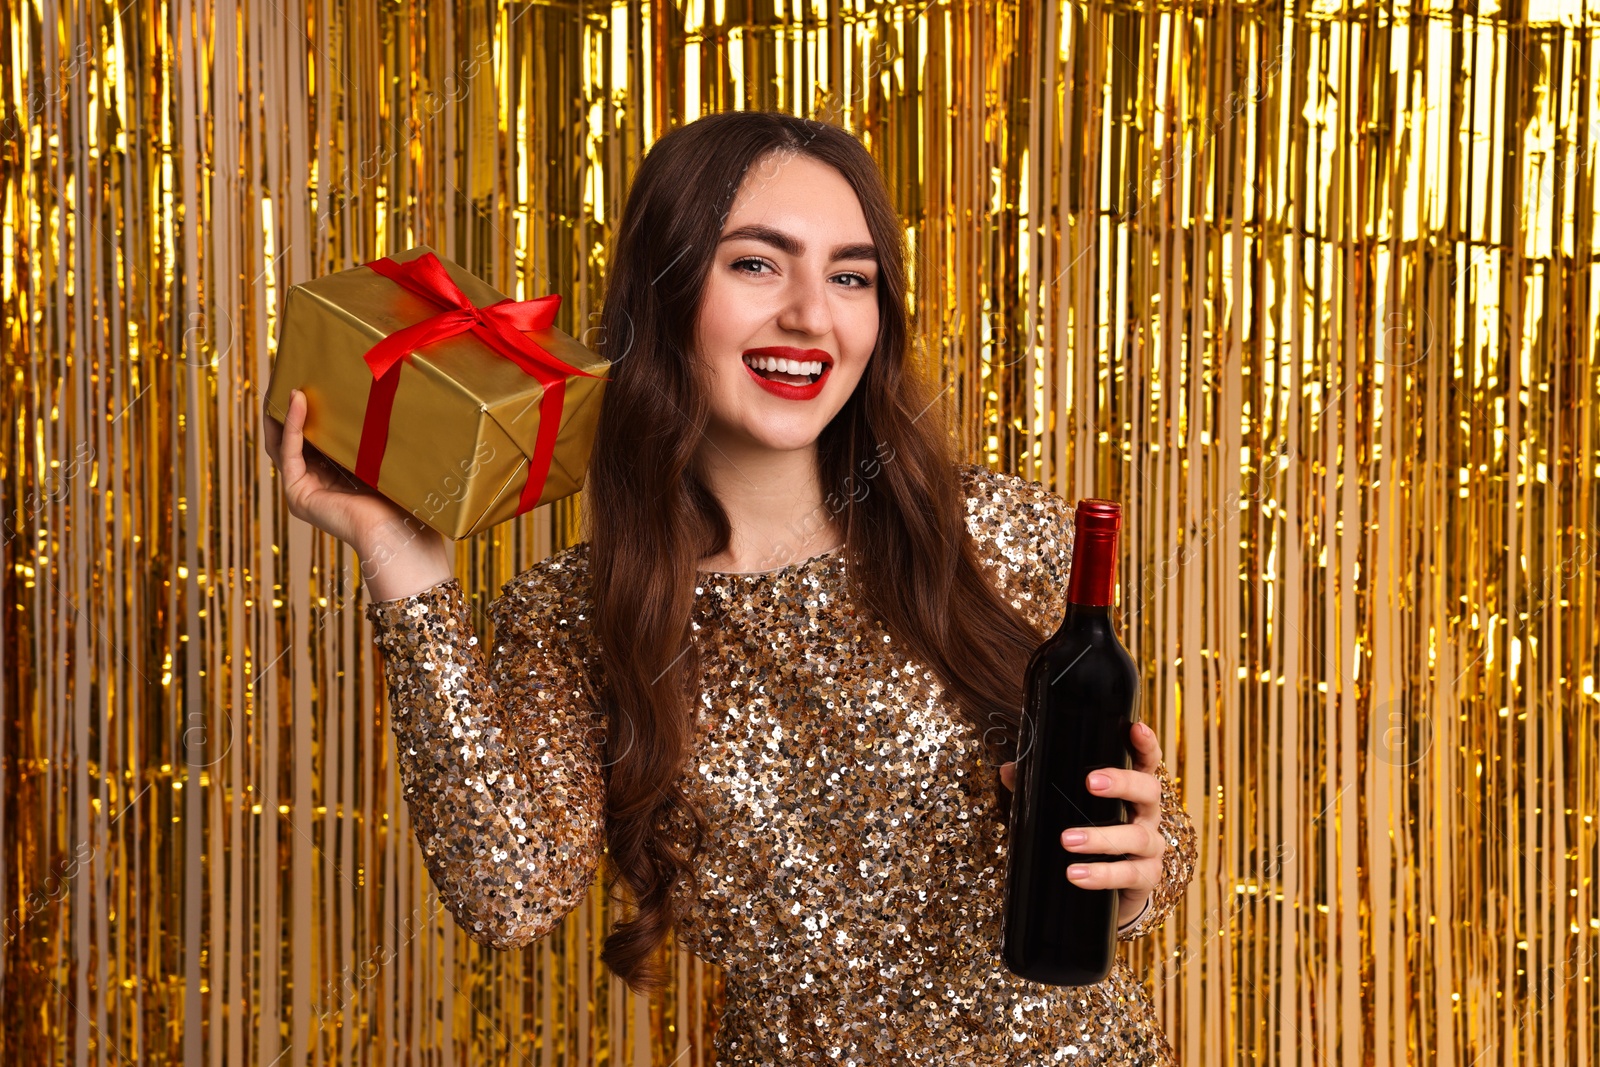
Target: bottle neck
x=1087 y=620
x=1094 y=571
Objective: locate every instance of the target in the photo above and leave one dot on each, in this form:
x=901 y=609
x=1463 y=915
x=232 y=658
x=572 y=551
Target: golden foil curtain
x=1312 y=288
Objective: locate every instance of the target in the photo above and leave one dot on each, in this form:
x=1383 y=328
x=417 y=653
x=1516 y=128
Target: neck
x=774 y=502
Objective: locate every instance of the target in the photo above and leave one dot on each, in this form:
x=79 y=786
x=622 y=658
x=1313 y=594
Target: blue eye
x=862 y=281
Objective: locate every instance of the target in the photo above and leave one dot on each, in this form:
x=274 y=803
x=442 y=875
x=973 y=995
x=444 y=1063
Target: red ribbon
x=499 y=325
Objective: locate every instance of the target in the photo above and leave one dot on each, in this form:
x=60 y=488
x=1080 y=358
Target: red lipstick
x=799 y=355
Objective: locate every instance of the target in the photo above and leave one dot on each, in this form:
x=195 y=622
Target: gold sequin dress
x=851 y=880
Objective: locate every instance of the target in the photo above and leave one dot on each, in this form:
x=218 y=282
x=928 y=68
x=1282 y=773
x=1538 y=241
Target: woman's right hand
x=328 y=497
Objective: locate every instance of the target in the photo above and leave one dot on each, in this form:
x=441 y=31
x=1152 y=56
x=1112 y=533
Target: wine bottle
x=1080 y=691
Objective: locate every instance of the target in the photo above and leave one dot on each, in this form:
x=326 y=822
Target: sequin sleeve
x=1025 y=534
x=496 y=760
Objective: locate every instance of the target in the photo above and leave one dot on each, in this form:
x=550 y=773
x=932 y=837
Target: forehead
x=788 y=186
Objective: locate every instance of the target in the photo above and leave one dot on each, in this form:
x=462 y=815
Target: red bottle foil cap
x=1094 y=552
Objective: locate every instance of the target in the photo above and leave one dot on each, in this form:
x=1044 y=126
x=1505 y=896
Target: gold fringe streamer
x=1312 y=288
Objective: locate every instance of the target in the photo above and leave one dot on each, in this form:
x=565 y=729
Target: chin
x=777 y=425
x=783 y=440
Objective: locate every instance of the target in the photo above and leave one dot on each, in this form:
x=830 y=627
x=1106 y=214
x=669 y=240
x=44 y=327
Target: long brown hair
x=650 y=517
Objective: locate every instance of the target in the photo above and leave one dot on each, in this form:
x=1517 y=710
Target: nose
x=805 y=307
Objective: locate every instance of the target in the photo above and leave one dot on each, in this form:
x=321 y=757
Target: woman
x=774 y=683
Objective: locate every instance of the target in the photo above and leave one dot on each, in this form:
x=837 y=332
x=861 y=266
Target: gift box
x=462 y=406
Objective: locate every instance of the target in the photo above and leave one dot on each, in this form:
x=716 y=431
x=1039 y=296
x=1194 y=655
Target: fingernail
x=1098 y=781
x=1074 y=837
x=1077 y=871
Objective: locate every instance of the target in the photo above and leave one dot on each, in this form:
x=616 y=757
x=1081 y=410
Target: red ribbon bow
x=499 y=325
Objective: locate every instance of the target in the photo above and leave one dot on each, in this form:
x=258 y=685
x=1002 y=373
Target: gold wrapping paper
x=465 y=418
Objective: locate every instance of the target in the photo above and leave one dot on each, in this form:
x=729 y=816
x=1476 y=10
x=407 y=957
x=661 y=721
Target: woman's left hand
x=1140 y=838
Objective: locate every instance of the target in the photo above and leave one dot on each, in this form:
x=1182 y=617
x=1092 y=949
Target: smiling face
x=793 y=287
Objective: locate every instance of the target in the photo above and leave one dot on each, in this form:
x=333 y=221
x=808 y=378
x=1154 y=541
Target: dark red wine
x=1081 y=692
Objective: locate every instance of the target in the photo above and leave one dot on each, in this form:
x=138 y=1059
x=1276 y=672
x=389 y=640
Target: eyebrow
x=791 y=246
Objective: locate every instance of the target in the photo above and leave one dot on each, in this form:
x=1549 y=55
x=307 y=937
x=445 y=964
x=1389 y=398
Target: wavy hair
x=650 y=517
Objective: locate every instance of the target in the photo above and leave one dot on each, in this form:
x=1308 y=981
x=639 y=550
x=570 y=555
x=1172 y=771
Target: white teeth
x=787 y=366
